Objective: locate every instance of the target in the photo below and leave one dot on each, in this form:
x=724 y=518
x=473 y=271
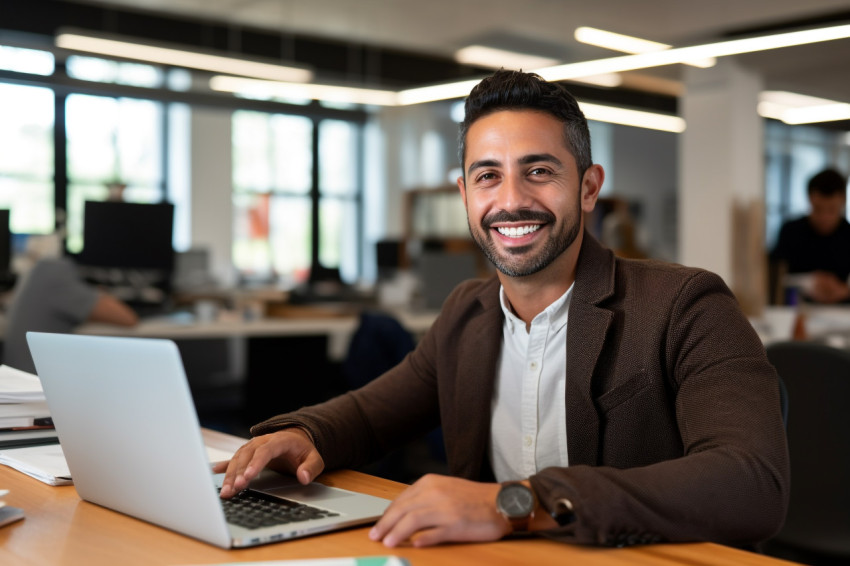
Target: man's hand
x=439 y=509
x=290 y=451
x=827 y=288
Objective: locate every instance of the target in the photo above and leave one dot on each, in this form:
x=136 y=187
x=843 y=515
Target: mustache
x=518 y=216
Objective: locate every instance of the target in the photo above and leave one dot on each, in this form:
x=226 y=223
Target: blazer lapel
x=478 y=354
x=586 y=331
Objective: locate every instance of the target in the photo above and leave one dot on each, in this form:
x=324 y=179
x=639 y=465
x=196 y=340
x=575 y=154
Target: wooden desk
x=60 y=529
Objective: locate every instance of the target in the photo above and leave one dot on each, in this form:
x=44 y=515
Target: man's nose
x=513 y=194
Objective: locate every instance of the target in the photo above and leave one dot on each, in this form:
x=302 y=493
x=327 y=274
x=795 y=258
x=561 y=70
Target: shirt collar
x=555 y=315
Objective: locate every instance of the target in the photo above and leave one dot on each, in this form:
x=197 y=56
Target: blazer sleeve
x=731 y=483
x=362 y=425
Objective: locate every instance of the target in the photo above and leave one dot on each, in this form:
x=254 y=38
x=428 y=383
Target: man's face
x=522 y=191
x=827 y=211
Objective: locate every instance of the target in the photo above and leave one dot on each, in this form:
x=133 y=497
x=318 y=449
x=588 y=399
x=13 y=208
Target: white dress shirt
x=528 y=423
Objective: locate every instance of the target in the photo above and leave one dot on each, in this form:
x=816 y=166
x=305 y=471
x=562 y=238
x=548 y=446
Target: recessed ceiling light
x=494 y=58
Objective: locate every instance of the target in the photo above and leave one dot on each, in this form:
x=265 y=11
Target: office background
x=274 y=186
x=273 y=189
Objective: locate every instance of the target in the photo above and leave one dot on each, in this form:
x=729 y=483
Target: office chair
x=817 y=378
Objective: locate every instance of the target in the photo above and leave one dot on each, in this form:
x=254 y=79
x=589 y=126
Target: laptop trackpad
x=288 y=487
x=307 y=493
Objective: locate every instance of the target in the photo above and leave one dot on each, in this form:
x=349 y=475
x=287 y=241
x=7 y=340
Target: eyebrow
x=524 y=160
x=535 y=157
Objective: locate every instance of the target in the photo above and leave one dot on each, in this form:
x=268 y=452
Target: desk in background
x=245 y=371
x=829 y=324
x=337 y=326
x=60 y=529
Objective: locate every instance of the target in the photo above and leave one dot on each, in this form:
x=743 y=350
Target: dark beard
x=554 y=246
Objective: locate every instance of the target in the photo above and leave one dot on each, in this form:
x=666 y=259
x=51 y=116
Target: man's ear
x=461 y=184
x=591 y=185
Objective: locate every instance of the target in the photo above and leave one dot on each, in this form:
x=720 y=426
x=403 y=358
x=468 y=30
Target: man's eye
x=539 y=171
x=486 y=177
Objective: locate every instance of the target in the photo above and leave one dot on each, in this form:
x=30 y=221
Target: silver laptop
x=128 y=427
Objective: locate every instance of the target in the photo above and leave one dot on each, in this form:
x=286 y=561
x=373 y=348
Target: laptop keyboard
x=253 y=510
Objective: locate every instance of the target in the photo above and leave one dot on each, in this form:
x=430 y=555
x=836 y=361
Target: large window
x=112 y=142
x=296 y=177
x=275 y=196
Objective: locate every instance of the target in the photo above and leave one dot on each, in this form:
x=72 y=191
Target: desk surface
x=416 y=322
x=60 y=529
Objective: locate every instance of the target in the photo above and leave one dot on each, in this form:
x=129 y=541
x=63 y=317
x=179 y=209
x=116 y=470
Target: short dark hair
x=828 y=182
x=516 y=90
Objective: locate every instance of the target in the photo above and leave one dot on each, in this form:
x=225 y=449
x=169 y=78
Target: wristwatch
x=516 y=502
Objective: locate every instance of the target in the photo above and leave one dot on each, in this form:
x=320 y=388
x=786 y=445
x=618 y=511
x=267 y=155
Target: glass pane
x=290 y=228
x=265 y=249
x=26 y=158
x=292 y=157
x=26 y=119
x=31 y=205
x=91 y=69
x=90 y=125
x=338 y=142
x=23 y=60
x=272 y=152
x=338 y=247
x=251 y=150
x=113 y=139
x=104 y=71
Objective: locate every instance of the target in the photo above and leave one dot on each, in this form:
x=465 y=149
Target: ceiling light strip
x=629 y=44
x=328 y=93
x=694 y=52
x=182 y=58
x=637 y=118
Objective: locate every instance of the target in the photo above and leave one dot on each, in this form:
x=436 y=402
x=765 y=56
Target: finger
x=232 y=472
x=404 y=505
x=238 y=469
x=410 y=524
x=310 y=468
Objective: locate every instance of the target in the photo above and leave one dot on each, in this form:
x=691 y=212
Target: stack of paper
x=46 y=463
x=24 y=416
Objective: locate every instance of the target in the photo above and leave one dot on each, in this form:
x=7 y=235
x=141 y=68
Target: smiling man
x=583 y=397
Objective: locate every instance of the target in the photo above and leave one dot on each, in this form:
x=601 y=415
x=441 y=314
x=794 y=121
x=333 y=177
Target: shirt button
x=528 y=441
x=533 y=365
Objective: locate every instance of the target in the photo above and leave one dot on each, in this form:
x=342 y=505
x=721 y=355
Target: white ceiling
x=441 y=26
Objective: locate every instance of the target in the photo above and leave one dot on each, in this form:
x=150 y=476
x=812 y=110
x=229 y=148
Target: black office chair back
x=817 y=379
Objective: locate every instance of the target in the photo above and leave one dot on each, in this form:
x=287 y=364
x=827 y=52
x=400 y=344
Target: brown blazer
x=674 y=428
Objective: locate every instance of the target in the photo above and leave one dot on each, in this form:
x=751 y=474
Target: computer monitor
x=5 y=242
x=7 y=277
x=128 y=235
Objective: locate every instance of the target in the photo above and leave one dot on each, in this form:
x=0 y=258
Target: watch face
x=516 y=501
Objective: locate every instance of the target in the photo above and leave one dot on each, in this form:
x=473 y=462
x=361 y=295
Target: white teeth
x=514 y=232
